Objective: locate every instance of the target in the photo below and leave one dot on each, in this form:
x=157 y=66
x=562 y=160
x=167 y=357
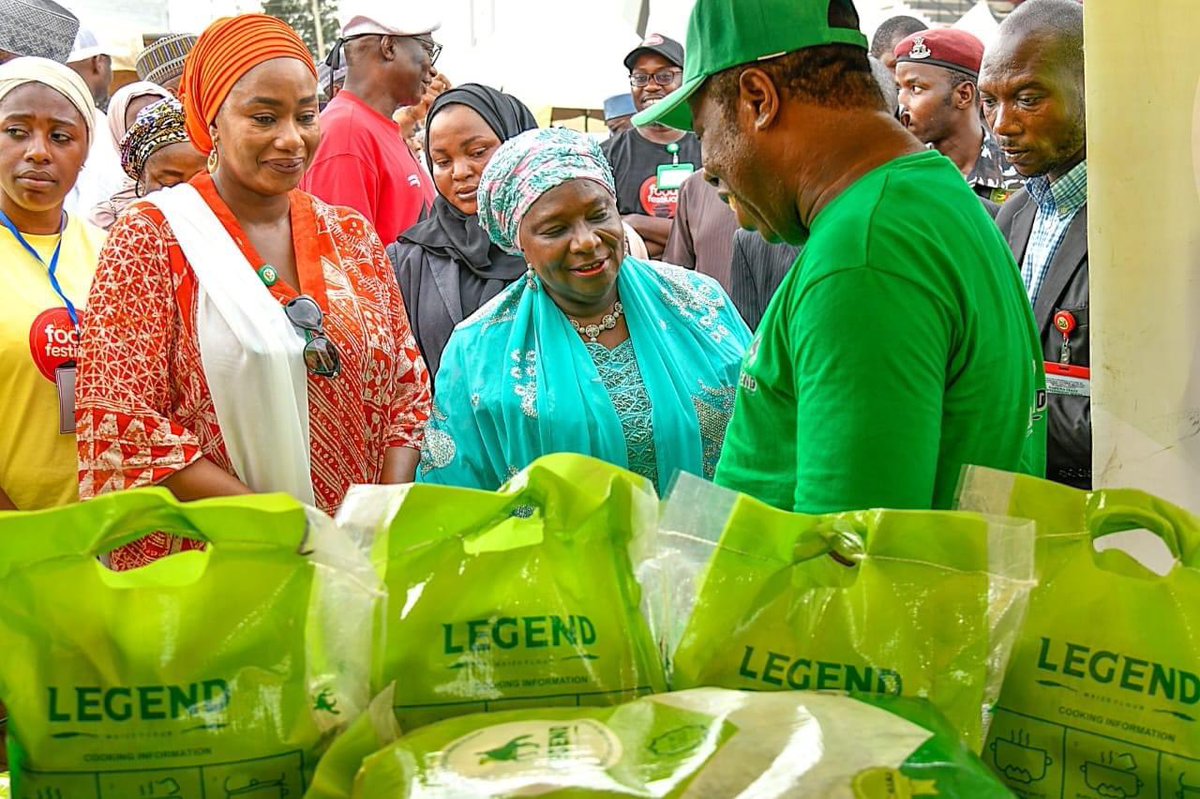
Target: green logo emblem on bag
x=326 y=702
x=519 y=748
x=515 y=748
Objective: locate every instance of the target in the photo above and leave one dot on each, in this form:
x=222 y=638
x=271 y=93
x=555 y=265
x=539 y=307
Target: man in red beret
x=938 y=73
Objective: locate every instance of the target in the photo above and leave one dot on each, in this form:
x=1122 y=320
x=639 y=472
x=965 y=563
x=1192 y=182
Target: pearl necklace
x=592 y=332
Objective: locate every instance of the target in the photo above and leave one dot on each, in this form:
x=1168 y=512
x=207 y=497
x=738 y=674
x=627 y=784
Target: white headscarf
x=64 y=80
x=119 y=104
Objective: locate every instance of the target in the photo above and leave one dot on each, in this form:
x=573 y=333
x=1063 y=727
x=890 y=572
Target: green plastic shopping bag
x=375 y=728
x=222 y=672
x=898 y=603
x=504 y=599
x=1102 y=696
x=699 y=744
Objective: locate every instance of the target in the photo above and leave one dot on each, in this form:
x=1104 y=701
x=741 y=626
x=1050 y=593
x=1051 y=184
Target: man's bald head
x=1056 y=24
x=1032 y=87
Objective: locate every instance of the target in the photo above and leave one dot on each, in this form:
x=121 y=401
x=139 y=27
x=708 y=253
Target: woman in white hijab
x=123 y=109
x=46 y=265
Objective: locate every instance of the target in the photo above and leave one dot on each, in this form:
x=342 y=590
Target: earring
x=531 y=280
x=213 y=160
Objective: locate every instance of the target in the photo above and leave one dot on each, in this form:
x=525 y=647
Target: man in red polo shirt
x=363 y=161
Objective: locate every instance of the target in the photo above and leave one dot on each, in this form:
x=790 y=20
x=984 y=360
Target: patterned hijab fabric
x=119 y=105
x=224 y=53
x=158 y=125
x=163 y=60
x=62 y=79
x=526 y=167
x=39 y=28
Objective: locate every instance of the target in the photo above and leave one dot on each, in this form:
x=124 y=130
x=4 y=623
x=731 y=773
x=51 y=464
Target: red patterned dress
x=144 y=410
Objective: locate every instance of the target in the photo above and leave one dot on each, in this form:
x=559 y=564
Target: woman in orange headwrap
x=241 y=334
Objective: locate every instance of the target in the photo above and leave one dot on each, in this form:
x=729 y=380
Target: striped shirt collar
x=1062 y=197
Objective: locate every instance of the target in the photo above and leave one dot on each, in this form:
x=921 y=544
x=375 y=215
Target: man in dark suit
x=1032 y=87
x=757 y=270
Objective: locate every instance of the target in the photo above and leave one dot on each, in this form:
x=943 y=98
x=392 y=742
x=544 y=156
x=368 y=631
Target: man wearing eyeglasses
x=651 y=163
x=363 y=161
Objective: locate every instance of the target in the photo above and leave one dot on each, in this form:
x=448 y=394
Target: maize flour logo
x=53 y=341
x=532 y=747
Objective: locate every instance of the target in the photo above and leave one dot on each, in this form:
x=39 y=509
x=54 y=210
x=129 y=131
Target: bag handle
x=1120 y=518
x=559 y=492
x=270 y=519
x=111 y=521
x=843 y=539
x=535 y=495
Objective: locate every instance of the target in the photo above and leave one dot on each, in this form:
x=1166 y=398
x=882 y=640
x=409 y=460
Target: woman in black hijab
x=446 y=264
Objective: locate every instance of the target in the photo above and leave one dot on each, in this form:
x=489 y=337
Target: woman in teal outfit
x=595 y=351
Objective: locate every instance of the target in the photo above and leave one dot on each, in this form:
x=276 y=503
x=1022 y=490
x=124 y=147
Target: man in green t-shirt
x=901 y=345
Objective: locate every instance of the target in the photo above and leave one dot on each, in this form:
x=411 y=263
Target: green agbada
x=203 y=673
x=1102 y=694
x=897 y=603
x=695 y=744
x=507 y=598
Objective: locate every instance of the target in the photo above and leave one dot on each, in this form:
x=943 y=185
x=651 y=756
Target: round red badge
x=656 y=202
x=53 y=341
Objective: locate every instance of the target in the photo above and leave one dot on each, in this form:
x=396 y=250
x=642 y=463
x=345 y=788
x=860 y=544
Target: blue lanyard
x=52 y=268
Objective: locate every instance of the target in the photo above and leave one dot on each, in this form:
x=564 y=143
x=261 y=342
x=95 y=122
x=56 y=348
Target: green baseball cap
x=726 y=33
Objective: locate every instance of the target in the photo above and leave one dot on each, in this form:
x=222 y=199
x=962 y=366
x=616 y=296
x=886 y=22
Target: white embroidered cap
x=400 y=19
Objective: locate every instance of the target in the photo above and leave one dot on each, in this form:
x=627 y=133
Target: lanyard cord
x=52 y=269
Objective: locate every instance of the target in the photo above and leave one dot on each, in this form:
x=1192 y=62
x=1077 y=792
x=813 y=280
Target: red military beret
x=942 y=47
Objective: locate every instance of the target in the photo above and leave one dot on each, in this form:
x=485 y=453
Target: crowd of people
x=819 y=270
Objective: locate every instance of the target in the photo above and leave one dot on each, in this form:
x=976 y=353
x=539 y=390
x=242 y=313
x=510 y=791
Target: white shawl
x=253 y=356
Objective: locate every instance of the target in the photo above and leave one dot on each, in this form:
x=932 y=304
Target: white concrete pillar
x=1143 y=114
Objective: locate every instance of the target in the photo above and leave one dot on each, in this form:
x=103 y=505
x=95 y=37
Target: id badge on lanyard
x=64 y=376
x=671 y=176
x=1064 y=378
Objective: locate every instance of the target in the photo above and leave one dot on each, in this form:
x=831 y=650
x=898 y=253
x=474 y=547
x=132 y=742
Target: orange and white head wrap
x=225 y=52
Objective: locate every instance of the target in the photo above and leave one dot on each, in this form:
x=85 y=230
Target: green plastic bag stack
x=521 y=597
x=1102 y=696
x=222 y=672
x=915 y=604
x=698 y=744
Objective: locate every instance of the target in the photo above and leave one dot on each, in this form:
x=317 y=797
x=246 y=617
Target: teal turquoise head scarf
x=526 y=167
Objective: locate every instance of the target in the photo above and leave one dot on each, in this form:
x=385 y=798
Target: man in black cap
x=651 y=163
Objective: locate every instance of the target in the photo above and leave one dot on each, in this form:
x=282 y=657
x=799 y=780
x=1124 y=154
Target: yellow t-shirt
x=38 y=465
